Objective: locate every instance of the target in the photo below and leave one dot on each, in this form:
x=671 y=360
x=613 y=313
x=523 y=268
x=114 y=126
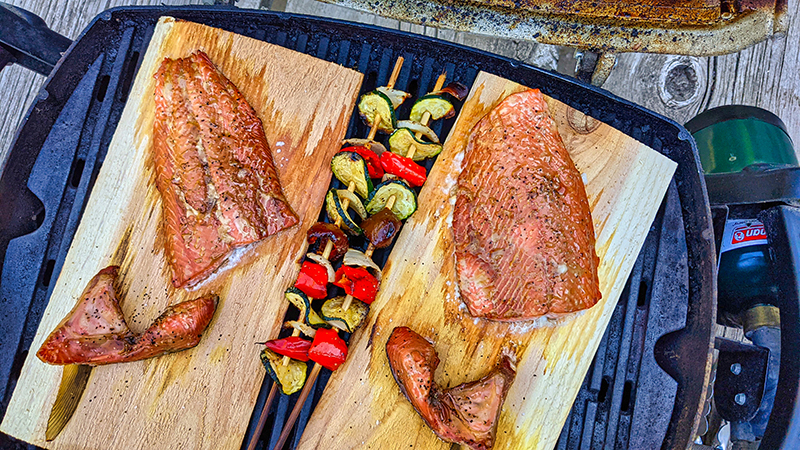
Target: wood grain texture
x=362 y=407
x=19 y=86
x=766 y=75
x=203 y=397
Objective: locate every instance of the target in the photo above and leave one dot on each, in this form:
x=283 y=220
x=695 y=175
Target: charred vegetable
x=301 y=327
x=402 y=139
x=344 y=320
x=404 y=168
x=319 y=235
x=301 y=301
x=381 y=228
x=358 y=282
x=436 y=105
x=374 y=146
x=337 y=214
x=377 y=103
x=290 y=377
x=353 y=202
x=417 y=127
x=350 y=167
x=355 y=258
x=397 y=97
x=405 y=200
x=370 y=157
x=312 y=280
x=328 y=349
x=294 y=347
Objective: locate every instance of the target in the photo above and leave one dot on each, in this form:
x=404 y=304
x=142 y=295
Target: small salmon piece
x=179 y=327
x=465 y=414
x=214 y=169
x=95 y=331
x=523 y=232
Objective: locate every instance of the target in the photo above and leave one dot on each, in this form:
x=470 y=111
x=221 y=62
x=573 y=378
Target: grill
x=646 y=386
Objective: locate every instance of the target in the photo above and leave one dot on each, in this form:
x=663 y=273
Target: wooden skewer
x=312 y=377
x=263 y=418
x=326 y=253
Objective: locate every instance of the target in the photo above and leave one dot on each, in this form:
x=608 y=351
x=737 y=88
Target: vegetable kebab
x=391 y=201
x=388 y=203
x=327 y=348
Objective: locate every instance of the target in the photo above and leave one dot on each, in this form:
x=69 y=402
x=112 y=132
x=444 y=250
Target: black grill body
x=646 y=386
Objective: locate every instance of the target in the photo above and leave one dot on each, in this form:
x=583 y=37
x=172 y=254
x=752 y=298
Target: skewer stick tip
x=287 y=427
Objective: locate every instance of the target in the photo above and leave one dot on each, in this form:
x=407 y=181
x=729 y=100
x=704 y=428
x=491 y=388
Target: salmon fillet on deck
x=214 y=169
x=524 y=239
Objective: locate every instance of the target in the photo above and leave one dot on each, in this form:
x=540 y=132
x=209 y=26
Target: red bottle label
x=742 y=233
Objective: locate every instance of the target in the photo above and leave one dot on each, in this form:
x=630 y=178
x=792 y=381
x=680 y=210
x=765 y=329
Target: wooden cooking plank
x=199 y=398
x=362 y=407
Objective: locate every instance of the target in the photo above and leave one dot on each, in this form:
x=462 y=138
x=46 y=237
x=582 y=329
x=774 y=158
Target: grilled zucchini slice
x=338 y=215
x=315 y=320
x=290 y=377
x=300 y=300
x=436 y=105
x=350 y=167
x=344 y=320
x=405 y=200
x=377 y=102
x=403 y=138
x=353 y=202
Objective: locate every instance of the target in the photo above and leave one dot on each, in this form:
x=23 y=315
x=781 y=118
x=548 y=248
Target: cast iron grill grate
x=627 y=399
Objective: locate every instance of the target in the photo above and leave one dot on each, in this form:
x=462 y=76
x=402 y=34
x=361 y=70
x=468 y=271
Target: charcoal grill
x=646 y=386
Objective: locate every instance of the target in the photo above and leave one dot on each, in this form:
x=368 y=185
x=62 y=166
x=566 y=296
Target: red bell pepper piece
x=294 y=347
x=313 y=280
x=358 y=282
x=373 y=162
x=328 y=349
x=404 y=168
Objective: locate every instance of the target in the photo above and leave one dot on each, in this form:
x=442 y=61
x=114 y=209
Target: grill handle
x=26 y=40
x=782 y=224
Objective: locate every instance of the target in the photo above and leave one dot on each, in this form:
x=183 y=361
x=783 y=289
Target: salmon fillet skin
x=95 y=332
x=214 y=169
x=523 y=233
x=465 y=414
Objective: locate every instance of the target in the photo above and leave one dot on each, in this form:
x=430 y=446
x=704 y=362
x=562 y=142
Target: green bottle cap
x=730 y=138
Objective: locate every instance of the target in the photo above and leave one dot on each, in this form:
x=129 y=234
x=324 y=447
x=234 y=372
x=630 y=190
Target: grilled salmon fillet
x=465 y=414
x=523 y=233
x=214 y=169
x=95 y=331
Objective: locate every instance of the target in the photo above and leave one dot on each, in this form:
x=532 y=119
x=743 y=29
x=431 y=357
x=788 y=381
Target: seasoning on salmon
x=465 y=414
x=524 y=239
x=95 y=331
x=214 y=169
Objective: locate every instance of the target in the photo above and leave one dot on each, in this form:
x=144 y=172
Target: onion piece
x=375 y=146
x=324 y=263
x=301 y=327
x=355 y=202
x=456 y=89
x=358 y=259
x=389 y=176
x=396 y=96
x=417 y=127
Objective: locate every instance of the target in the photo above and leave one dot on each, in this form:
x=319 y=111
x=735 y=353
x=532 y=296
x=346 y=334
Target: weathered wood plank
x=362 y=407
x=202 y=397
